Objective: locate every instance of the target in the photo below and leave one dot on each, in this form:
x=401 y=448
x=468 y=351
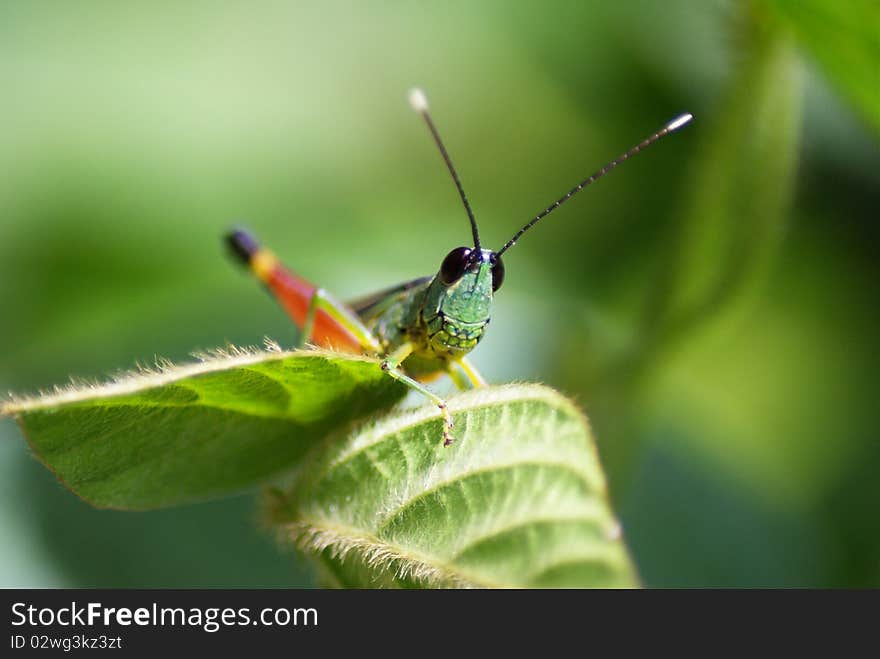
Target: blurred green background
x=713 y=305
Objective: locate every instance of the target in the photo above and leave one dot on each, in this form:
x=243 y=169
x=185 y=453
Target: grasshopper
x=421 y=328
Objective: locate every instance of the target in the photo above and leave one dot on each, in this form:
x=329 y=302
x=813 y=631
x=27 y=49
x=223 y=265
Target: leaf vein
x=458 y=478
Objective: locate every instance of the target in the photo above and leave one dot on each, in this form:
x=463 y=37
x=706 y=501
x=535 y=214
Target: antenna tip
x=679 y=121
x=418 y=100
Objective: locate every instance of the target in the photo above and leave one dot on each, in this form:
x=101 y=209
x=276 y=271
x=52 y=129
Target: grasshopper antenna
x=419 y=103
x=671 y=127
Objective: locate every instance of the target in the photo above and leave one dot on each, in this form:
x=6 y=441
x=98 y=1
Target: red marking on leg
x=294 y=294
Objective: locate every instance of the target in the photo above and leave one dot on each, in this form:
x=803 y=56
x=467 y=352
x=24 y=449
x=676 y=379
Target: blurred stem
x=740 y=187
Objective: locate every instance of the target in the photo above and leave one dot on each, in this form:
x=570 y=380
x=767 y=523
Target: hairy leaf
x=518 y=501
x=180 y=434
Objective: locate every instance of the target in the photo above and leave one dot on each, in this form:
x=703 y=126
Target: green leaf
x=181 y=434
x=844 y=38
x=518 y=501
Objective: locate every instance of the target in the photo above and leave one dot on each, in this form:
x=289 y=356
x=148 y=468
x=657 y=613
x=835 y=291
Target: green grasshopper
x=424 y=327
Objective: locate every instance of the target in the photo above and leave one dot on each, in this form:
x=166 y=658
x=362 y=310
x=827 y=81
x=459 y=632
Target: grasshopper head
x=466 y=282
x=460 y=297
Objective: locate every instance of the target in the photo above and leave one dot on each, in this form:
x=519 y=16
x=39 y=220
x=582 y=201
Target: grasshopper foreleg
x=391 y=365
x=464 y=375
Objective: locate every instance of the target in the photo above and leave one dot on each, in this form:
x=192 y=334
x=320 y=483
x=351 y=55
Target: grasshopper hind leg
x=341 y=316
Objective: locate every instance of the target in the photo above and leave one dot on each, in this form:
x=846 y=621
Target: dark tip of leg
x=242 y=244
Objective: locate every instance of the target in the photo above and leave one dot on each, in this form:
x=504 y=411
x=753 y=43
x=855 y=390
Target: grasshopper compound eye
x=455 y=264
x=497 y=272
